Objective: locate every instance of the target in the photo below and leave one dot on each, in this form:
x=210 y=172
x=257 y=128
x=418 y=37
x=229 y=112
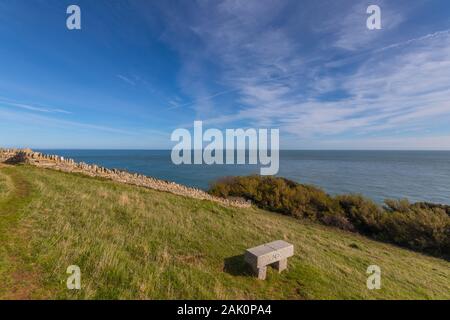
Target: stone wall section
x=38 y=159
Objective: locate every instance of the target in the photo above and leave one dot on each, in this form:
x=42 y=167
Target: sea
x=413 y=175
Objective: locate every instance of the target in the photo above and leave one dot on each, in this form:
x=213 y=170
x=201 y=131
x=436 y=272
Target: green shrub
x=417 y=226
x=365 y=215
x=421 y=226
x=427 y=205
x=337 y=220
x=277 y=194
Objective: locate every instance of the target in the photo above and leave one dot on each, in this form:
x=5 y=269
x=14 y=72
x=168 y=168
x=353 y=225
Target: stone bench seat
x=274 y=253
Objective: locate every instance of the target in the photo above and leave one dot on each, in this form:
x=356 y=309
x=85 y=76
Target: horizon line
x=169 y=149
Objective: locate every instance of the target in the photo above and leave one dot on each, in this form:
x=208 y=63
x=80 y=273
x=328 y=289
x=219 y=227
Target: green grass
x=134 y=243
x=5 y=186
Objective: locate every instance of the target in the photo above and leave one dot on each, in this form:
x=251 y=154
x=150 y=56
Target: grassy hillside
x=134 y=243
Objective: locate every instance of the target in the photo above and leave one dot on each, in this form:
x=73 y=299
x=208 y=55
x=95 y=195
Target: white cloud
x=30 y=107
x=275 y=82
x=402 y=89
x=126 y=79
x=353 y=33
x=46 y=121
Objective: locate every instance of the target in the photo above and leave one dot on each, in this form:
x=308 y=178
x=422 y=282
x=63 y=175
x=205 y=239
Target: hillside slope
x=135 y=243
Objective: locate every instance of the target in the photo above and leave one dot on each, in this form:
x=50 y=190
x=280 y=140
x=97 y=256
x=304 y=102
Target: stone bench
x=273 y=253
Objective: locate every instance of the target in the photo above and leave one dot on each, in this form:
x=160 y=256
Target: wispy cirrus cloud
x=352 y=33
x=45 y=117
x=312 y=93
x=397 y=90
x=126 y=79
x=31 y=107
x=28 y=118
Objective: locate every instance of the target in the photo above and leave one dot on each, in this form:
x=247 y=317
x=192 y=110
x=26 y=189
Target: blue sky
x=140 y=69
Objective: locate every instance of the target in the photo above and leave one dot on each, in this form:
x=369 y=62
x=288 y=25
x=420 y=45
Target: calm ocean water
x=415 y=175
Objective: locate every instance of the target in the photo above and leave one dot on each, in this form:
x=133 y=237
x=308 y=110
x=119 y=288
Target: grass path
x=16 y=275
x=135 y=243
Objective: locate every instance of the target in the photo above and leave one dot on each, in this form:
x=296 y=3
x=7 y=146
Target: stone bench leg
x=281 y=265
x=260 y=272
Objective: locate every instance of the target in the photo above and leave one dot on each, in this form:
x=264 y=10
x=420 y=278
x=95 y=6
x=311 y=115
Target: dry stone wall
x=38 y=159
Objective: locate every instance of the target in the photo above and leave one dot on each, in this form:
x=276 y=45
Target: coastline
x=377 y=175
x=54 y=162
